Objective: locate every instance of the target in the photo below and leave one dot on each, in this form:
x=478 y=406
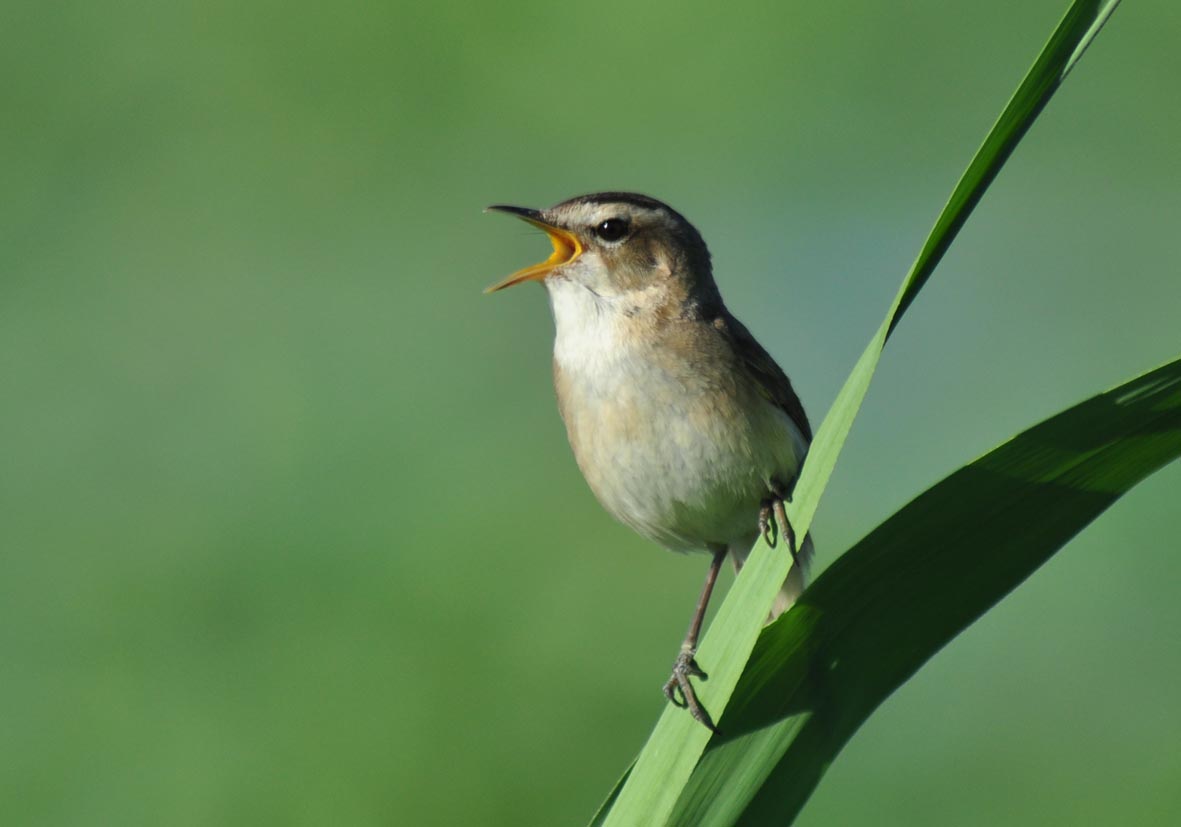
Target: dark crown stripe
x=634 y=199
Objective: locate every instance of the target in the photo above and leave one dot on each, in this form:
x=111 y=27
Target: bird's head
x=621 y=246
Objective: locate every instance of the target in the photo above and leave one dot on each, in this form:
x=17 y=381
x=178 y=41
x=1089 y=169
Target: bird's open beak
x=566 y=248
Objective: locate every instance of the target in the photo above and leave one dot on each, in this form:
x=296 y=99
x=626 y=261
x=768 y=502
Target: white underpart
x=680 y=479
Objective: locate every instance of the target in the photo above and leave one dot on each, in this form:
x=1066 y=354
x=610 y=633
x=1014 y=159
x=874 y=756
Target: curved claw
x=765 y=524
x=674 y=692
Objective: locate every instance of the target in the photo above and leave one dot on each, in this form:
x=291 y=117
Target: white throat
x=589 y=328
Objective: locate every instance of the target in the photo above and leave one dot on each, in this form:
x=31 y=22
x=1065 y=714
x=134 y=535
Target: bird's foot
x=680 y=690
x=774 y=506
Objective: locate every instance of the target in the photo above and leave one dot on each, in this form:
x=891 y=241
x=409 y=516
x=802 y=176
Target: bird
x=684 y=427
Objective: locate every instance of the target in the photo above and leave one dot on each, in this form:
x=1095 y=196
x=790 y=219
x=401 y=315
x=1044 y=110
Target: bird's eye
x=612 y=229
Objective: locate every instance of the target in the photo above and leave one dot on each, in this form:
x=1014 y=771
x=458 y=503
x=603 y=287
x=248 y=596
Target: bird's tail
x=793 y=586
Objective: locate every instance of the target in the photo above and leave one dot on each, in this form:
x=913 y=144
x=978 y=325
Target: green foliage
x=664 y=786
x=911 y=585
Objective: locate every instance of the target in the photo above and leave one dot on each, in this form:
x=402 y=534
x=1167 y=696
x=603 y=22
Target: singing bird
x=684 y=427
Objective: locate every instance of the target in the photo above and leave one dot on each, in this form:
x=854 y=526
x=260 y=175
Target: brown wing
x=772 y=381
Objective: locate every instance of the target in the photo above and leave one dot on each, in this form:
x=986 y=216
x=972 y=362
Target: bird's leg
x=679 y=690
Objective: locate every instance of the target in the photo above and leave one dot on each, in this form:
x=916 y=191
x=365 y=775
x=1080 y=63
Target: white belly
x=668 y=449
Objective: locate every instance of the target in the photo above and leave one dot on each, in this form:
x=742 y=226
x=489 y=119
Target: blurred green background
x=290 y=530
